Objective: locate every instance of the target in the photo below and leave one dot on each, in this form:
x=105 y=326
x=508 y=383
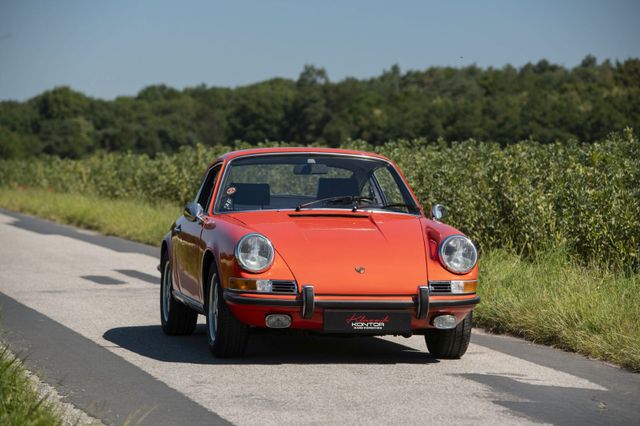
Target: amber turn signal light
x=243 y=284
x=464 y=286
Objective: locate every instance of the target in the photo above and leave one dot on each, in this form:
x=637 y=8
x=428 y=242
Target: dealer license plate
x=375 y=322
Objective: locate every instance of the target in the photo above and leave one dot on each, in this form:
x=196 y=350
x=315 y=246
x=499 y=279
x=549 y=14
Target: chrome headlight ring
x=458 y=254
x=254 y=253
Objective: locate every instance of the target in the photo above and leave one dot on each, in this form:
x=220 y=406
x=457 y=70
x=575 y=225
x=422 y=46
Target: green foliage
x=20 y=403
x=68 y=138
x=525 y=197
x=60 y=103
x=542 y=101
x=529 y=196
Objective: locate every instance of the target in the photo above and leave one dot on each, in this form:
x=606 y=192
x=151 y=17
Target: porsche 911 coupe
x=325 y=240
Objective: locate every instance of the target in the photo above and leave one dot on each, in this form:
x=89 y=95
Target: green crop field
x=525 y=197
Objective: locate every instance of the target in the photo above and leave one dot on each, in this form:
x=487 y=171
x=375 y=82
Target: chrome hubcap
x=166 y=291
x=213 y=309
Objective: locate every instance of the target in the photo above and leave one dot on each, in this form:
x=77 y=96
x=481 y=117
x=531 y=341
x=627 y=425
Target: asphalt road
x=83 y=309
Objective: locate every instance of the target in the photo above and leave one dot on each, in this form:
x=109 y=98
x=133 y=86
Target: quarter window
x=206 y=189
x=389 y=186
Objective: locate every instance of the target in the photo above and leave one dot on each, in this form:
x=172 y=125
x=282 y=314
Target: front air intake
x=440 y=286
x=288 y=287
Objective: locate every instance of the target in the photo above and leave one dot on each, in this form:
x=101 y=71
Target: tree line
x=542 y=101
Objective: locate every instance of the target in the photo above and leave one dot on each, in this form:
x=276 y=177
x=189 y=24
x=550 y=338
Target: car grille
x=288 y=287
x=440 y=287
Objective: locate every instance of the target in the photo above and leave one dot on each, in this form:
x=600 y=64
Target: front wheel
x=450 y=344
x=177 y=319
x=227 y=336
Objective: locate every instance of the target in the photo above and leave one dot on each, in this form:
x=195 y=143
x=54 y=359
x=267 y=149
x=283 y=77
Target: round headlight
x=458 y=254
x=254 y=253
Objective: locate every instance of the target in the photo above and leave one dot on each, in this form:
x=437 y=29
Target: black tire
x=177 y=319
x=450 y=344
x=227 y=337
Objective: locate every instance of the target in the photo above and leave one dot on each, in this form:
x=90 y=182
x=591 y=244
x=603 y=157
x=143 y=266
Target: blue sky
x=111 y=48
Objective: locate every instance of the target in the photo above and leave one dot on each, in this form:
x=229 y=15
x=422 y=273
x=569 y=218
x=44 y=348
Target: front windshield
x=312 y=181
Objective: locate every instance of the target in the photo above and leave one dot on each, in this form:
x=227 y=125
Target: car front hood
x=366 y=253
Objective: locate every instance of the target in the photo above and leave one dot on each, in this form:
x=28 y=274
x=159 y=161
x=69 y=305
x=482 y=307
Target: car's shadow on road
x=266 y=347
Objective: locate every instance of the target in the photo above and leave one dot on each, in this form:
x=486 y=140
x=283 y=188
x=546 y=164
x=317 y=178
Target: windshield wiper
x=396 y=205
x=340 y=199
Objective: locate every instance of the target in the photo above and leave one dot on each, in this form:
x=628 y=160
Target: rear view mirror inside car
x=310 y=169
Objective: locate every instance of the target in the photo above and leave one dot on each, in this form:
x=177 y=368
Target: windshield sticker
x=231 y=190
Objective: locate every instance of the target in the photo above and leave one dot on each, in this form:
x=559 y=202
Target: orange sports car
x=325 y=240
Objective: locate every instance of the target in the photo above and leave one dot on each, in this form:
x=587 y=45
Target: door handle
x=178 y=229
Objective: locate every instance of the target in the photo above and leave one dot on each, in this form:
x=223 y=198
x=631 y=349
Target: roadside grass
x=138 y=221
x=551 y=299
x=555 y=301
x=20 y=403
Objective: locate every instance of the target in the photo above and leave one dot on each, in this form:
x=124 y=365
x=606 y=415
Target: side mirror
x=193 y=211
x=438 y=211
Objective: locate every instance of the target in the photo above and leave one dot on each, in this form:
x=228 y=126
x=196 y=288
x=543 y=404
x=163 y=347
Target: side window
x=206 y=190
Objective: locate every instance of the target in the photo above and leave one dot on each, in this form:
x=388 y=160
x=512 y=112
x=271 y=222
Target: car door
x=187 y=243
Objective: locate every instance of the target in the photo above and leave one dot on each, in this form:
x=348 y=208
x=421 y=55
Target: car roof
x=293 y=150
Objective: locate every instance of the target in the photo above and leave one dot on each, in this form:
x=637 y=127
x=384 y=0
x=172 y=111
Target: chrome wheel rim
x=167 y=284
x=213 y=309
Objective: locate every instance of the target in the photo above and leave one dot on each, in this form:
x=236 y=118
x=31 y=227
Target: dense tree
x=260 y=111
x=542 y=101
x=70 y=137
x=61 y=103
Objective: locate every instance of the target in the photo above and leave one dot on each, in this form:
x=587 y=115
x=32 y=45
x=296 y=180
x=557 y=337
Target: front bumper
x=306 y=309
